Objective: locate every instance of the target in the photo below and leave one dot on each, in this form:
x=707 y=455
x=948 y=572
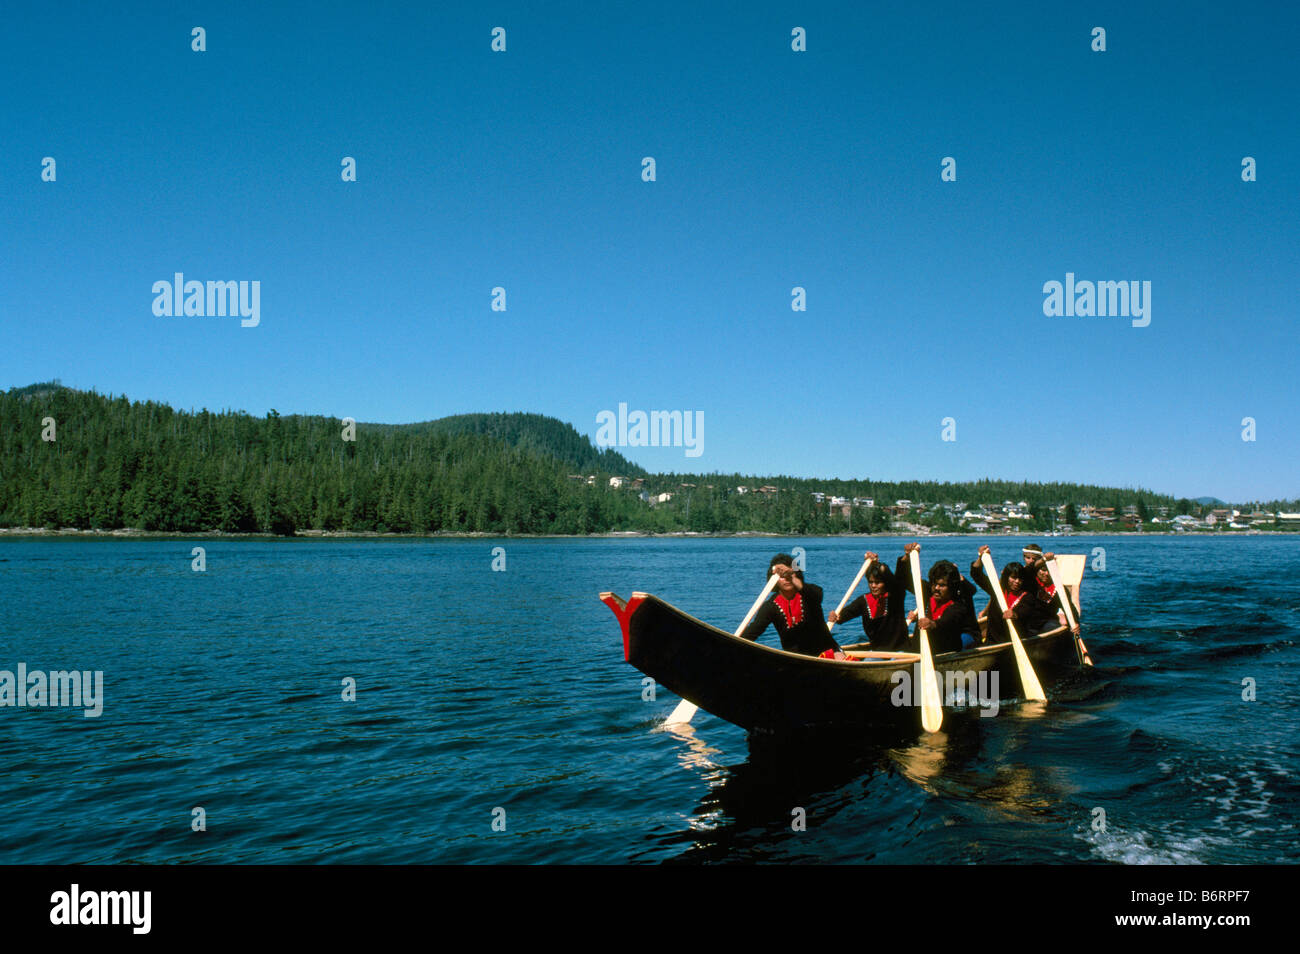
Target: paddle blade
x=1028 y=678
x=1070 y=566
x=683 y=714
x=931 y=703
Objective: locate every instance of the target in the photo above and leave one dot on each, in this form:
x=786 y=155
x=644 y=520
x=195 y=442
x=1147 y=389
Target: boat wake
x=1125 y=847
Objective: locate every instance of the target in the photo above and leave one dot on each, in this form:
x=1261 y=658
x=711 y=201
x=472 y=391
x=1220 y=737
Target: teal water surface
x=503 y=696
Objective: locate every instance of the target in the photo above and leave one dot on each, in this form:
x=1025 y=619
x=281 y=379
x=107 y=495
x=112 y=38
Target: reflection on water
x=695 y=753
x=968 y=760
x=988 y=765
x=748 y=802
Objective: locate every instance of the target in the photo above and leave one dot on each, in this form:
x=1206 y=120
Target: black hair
x=786 y=559
x=1010 y=570
x=945 y=570
x=876 y=574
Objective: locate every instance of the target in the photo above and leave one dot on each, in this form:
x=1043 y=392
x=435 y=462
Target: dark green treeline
x=115 y=463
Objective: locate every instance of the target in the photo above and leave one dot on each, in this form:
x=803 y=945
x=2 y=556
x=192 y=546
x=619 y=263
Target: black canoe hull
x=764 y=689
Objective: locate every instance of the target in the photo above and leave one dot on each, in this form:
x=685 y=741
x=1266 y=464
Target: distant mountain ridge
x=537 y=433
x=30 y=391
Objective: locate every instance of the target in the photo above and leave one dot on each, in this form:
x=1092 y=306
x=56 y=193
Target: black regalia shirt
x=799 y=621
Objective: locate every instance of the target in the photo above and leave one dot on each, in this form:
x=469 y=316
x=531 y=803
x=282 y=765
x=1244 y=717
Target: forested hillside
x=535 y=432
x=115 y=463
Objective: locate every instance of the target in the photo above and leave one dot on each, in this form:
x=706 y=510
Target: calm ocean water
x=478 y=690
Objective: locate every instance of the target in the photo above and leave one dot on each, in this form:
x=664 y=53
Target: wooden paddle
x=685 y=711
x=866 y=565
x=1069 y=610
x=1028 y=678
x=931 y=704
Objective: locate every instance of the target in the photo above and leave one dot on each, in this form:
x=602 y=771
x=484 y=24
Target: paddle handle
x=914 y=559
x=866 y=565
x=771 y=584
x=986 y=560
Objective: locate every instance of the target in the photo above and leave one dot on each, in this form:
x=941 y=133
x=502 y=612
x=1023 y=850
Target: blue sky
x=774 y=169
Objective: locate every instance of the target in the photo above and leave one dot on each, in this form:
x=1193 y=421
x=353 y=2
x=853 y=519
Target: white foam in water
x=1251 y=804
x=1133 y=848
x=1243 y=800
x=1240 y=799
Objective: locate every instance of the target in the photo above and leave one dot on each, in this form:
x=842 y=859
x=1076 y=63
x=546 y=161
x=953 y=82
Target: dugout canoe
x=765 y=689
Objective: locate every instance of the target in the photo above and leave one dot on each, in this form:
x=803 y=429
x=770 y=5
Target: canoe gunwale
x=903 y=655
x=759 y=687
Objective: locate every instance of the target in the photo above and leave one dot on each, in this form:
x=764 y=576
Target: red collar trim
x=791 y=608
x=937 y=611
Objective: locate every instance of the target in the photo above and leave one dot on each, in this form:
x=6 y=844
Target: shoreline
x=133 y=534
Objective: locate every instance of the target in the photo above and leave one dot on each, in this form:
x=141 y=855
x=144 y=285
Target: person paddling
x=1042 y=606
x=946 y=603
x=795 y=609
x=1013 y=590
x=884 y=620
